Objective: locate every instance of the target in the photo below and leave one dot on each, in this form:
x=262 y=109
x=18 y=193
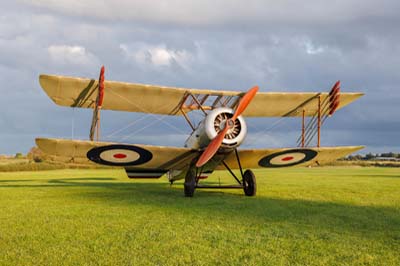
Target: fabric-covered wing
x=131 y=97
x=131 y=157
x=274 y=158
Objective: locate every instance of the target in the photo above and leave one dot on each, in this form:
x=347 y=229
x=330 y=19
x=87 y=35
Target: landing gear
x=190 y=183
x=249 y=183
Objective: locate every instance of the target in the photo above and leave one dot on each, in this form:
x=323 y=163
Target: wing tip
x=40 y=140
x=49 y=84
x=360 y=147
x=359 y=94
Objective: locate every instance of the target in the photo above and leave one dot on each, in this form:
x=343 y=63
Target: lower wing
x=275 y=158
x=138 y=160
x=147 y=160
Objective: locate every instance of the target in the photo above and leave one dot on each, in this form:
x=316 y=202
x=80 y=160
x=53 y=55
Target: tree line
x=372 y=156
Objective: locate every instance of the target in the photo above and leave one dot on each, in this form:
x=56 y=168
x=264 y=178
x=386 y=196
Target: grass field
x=319 y=216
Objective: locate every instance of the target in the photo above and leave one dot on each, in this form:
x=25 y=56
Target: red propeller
x=214 y=145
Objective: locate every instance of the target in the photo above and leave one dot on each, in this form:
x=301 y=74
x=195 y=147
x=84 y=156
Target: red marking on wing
x=101 y=86
x=288 y=158
x=119 y=156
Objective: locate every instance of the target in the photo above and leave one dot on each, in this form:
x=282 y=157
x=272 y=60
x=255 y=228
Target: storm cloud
x=230 y=45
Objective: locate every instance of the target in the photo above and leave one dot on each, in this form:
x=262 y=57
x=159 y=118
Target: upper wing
x=274 y=158
x=120 y=96
x=132 y=157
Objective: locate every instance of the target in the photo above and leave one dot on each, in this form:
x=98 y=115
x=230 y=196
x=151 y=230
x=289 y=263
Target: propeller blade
x=214 y=145
x=212 y=148
x=244 y=102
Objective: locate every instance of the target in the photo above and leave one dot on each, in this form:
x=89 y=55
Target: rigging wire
x=263 y=131
x=73 y=123
x=158 y=119
x=313 y=123
x=138 y=130
x=125 y=127
x=251 y=139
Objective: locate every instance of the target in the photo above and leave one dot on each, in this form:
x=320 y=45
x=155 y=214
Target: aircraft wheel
x=249 y=183
x=190 y=183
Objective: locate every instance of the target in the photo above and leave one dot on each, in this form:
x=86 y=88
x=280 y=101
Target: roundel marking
x=288 y=158
x=119 y=155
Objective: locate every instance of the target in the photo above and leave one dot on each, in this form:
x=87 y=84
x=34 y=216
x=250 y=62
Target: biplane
x=213 y=144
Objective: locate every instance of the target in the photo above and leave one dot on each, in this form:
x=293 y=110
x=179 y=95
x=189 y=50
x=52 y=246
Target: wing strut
x=95 y=127
x=326 y=108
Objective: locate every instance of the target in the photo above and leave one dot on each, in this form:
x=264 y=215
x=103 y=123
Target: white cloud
x=157 y=55
x=310 y=47
x=208 y=12
x=71 y=54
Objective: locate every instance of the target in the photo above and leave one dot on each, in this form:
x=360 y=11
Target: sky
x=219 y=44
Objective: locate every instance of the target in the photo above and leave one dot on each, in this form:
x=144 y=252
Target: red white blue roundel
x=287 y=158
x=119 y=155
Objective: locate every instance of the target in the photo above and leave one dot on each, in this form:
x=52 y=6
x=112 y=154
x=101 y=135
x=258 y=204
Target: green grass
x=17 y=165
x=319 y=216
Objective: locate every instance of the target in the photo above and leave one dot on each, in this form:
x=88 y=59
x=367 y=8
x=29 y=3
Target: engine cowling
x=209 y=128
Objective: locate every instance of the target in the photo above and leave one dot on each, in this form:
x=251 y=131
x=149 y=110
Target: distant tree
x=388 y=154
x=359 y=157
x=355 y=157
x=19 y=155
x=36 y=155
x=369 y=156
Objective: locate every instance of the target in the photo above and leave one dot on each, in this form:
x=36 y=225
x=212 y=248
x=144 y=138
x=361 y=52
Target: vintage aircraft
x=213 y=143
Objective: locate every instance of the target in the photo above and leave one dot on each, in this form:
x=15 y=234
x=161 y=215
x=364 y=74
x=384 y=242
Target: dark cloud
x=281 y=46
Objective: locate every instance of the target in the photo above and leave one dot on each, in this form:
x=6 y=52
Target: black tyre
x=249 y=183
x=190 y=183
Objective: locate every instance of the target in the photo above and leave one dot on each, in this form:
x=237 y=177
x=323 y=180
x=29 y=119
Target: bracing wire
x=261 y=132
x=312 y=127
x=139 y=130
x=125 y=127
x=73 y=123
x=313 y=123
x=158 y=119
x=153 y=115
